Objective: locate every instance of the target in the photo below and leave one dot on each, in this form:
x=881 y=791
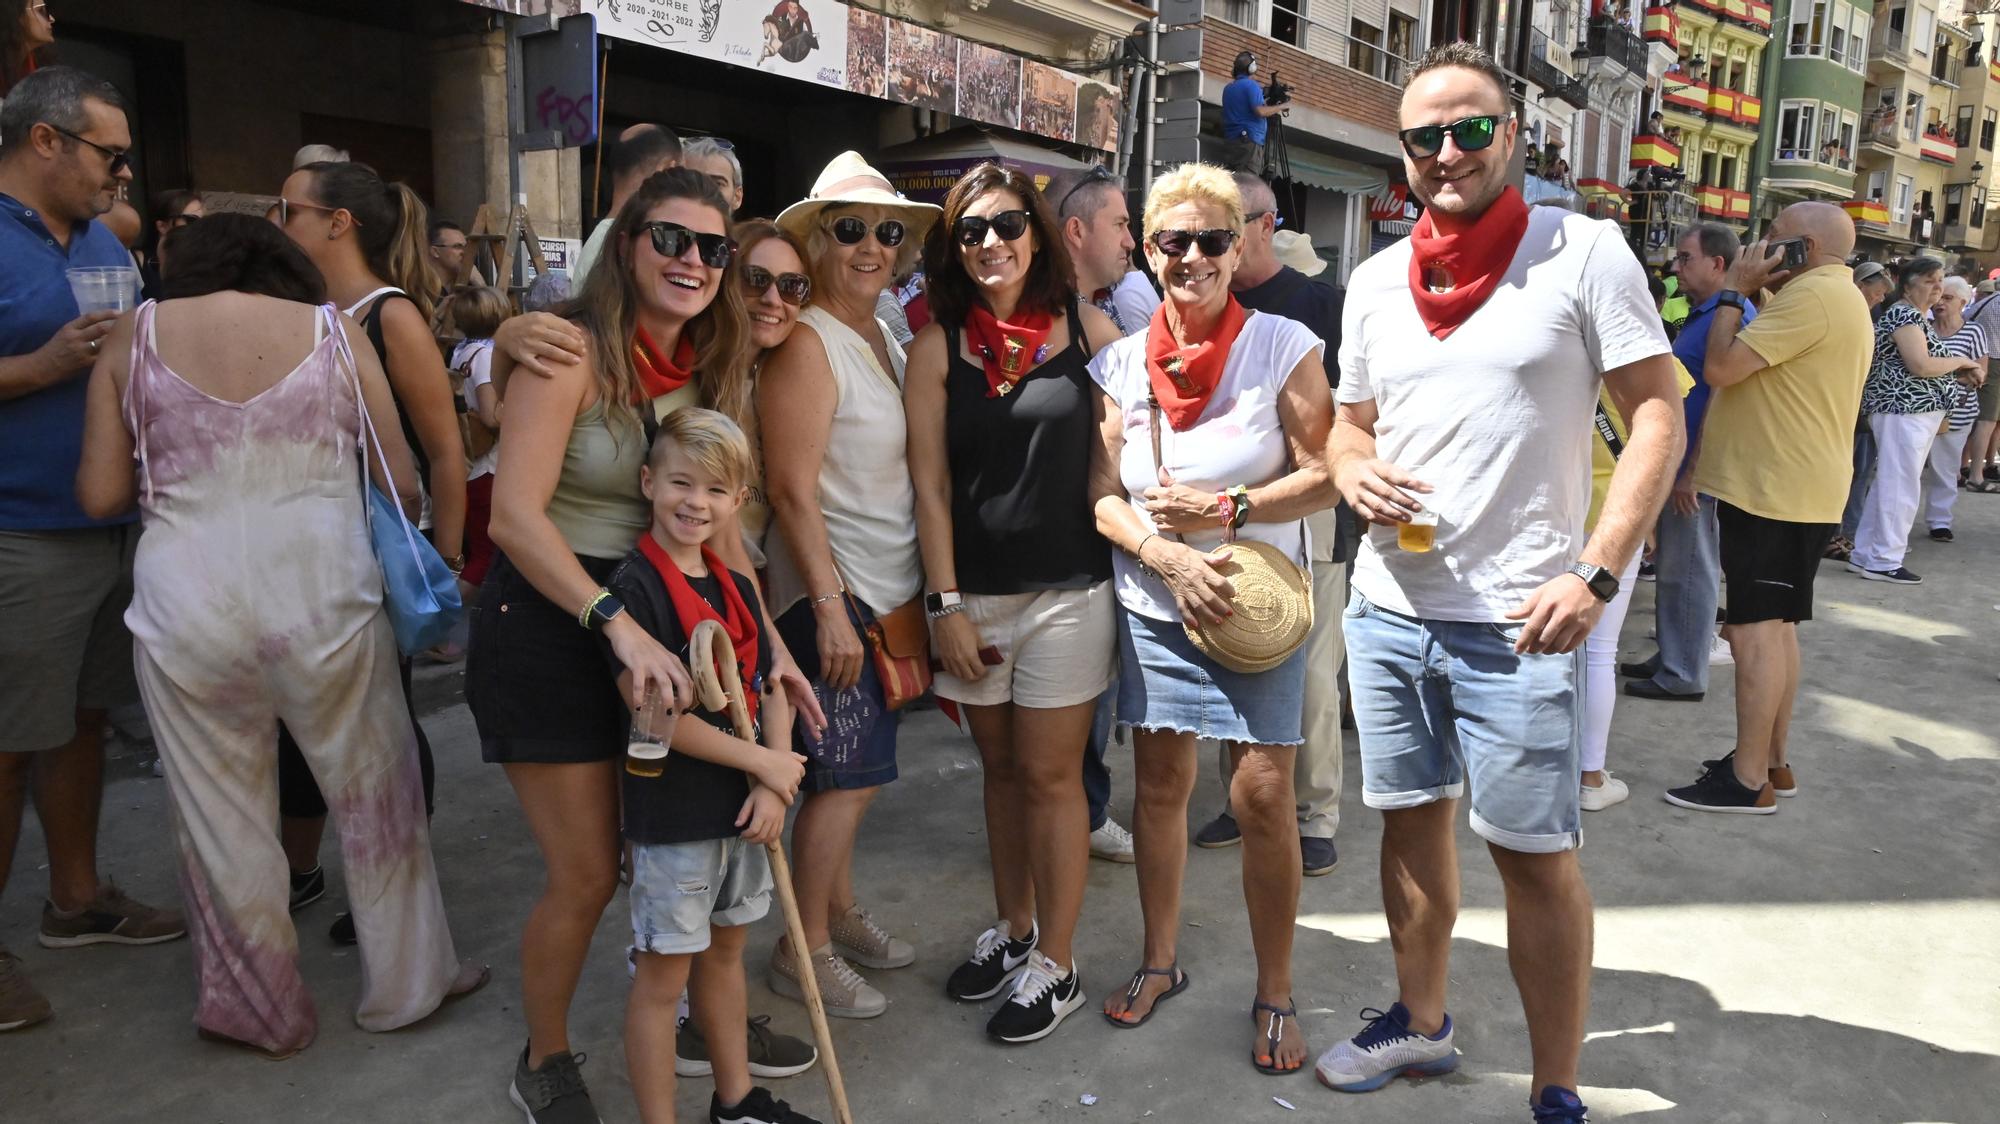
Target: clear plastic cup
x=104 y=288
x=1419 y=535
x=646 y=746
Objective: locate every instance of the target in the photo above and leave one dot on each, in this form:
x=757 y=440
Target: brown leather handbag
x=900 y=642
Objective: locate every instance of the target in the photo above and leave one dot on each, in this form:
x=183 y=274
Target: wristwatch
x=601 y=609
x=943 y=603
x=1602 y=582
x=1729 y=298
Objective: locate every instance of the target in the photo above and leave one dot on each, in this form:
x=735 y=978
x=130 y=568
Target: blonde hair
x=712 y=441
x=479 y=311
x=1194 y=183
x=819 y=241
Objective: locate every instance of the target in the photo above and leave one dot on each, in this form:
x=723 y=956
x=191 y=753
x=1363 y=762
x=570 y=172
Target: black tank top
x=1020 y=474
x=371 y=325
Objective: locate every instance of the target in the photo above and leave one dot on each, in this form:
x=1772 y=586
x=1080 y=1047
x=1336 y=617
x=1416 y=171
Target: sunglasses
x=794 y=289
x=1096 y=175
x=1214 y=242
x=281 y=211
x=1009 y=225
x=120 y=161
x=671 y=240
x=849 y=230
x=1277 y=220
x=1470 y=134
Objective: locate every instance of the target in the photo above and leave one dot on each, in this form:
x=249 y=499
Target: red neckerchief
x=657 y=374
x=1008 y=348
x=692 y=609
x=1468 y=264
x=1184 y=378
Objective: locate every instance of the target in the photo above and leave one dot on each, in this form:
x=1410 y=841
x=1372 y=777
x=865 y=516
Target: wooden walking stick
x=717 y=685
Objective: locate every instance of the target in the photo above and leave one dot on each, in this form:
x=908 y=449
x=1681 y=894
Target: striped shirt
x=1970 y=342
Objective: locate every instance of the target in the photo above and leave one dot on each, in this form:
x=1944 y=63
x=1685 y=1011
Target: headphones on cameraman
x=1245 y=65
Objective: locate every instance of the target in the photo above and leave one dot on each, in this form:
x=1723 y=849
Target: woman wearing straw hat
x=1001 y=414
x=1209 y=411
x=830 y=406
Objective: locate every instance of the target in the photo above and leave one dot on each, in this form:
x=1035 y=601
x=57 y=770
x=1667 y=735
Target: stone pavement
x=1839 y=961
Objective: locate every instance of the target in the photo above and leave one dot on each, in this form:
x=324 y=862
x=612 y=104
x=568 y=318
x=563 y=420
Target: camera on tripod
x=1277 y=93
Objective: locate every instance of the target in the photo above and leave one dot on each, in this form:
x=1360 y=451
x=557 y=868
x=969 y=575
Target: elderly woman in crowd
x=1242 y=413
x=1909 y=388
x=830 y=408
x=1000 y=408
x=1965 y=340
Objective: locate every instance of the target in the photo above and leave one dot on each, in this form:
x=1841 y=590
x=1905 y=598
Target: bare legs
x=1037 y=819
x=573 y=812
x=1767 y=680
x=713 y=978
x=1420 y=896
x=823 y=857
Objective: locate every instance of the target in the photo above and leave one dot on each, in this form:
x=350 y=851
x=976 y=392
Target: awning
x=1314 y=171
x=925 y=169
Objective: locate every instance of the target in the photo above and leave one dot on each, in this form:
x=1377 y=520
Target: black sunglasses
x=671 y=240
x=119 y=160
x=1214 y=242
x=1470 y=133
x=1097 y=174
x=794 y=289
x=1009 y=225
x=849 y=230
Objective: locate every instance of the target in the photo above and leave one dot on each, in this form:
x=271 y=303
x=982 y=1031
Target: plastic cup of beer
x=1419 y=535
x=104 y=288
x=646 y=746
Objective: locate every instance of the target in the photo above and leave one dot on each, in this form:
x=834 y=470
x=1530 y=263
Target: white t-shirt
x=1496 y=416
x=1135 y=300
x=587 y=257
x=1237 y=440
x=479 y=353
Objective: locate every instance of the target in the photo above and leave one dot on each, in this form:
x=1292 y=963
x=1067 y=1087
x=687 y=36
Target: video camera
x=1277 y=93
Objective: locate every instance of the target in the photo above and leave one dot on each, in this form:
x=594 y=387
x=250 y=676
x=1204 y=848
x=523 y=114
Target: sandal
x=1987 y=486
x=1838 y=549
x=1172 y=972
x=1274 y=1032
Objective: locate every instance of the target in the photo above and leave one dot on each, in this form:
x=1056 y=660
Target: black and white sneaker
x=1044 y=995
x=1718 y=790
x=996 y=959
x=757 y=1108
x=308 y=888
x=1901 y=575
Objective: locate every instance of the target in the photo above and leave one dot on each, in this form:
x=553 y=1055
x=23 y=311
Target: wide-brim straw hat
x=850 y=180
x=1296 y=250
x=1270 y=613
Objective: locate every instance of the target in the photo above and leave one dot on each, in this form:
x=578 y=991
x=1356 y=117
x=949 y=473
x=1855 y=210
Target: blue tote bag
x=419 y=592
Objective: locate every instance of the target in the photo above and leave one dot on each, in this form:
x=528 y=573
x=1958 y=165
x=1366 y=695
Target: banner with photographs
x=829 y=43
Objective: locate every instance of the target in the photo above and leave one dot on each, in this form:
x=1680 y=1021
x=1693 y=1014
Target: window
x=1913 y=115
x=1847 y=125
x=1795 y=130
x=1829 y=133
x=1797 y=44
x=1836 y=37
x=1954 y=204
x=1978 y=207
x=1857 y=39
x=1923 y=32
x=1986 y=127
x=1363 y=39
x=1878 y=182
x=1403 y=43
x=1963 y=134
x=1899 y=203
x=1242 y=13
x=1560 y=30
x=1286 y=26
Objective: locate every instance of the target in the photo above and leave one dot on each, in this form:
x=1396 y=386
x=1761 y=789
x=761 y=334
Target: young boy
x=699 y=871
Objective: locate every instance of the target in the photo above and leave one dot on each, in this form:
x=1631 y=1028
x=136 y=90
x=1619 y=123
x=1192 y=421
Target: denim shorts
x=859 y=747
x=1166 y=683
x=680 y=889
x=1441 y=703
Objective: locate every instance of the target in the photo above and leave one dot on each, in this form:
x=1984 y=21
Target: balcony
x=1684 y=92
x=1736 y=108
x=1939 y=148
x=1606 y=40
x=1890 y=45
x=1752 y=15
x=1603 y=199
x=1655 y=220
x=1650 y=150
x=1662 y=26
x=1723 y=203
x=1880 y=129
x=1868 y=215
x=1542 y=71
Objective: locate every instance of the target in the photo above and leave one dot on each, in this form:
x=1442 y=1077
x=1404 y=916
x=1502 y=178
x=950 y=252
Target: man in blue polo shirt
x=1243 y=112
x=65 y=579
x=1688 y=557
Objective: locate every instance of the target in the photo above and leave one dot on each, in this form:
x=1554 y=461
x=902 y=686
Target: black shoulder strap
x=1077 y=335
x=1609 y=433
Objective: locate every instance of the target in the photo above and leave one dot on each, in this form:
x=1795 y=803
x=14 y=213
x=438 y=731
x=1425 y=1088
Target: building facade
x=1909 y=152
x=1813 y=86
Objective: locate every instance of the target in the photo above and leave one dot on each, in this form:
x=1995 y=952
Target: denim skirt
x=1166 y=683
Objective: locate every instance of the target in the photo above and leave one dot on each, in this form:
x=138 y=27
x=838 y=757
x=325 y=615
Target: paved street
x=1839 y=961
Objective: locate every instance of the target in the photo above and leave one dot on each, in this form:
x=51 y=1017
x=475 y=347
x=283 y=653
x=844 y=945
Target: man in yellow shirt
x=1775 y=455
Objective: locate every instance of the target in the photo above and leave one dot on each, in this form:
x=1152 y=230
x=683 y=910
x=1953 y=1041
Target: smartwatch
x=601 y=609
x=1729 y=298
x=1602 y=582
x=943 y=603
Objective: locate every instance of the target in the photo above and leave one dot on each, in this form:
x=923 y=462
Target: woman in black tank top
x=1002 y=419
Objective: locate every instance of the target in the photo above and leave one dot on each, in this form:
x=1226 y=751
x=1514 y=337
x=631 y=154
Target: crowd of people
x=1216 y=509
x=989 y=84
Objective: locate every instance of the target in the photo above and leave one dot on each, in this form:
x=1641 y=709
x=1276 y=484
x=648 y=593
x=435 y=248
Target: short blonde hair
x=709 y=439
x=1194 y=183
x=819 y=241
x=479 y=312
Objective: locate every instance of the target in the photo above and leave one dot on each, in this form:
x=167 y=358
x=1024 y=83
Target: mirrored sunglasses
x=794 y=289
x=849 y=230
x=1470 y=134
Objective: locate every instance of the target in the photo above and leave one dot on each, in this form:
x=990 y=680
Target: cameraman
x=1243 y=114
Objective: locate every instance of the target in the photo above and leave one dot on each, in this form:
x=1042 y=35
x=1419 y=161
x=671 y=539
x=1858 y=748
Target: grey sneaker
x=771 y=1054
x=20 y=1004
x=856 y=937
x=1384 y=1050
x=843 y=991
x=113 y=918
x=553 y=1092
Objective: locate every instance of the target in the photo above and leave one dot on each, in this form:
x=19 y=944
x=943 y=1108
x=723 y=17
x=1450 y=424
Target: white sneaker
x=1612 y=791
x=1384 y=1050
x=1112 y=843
x=1719 y=653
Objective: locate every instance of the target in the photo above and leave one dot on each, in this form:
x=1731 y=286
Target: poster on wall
x=989 y=85
x=923 y=67
x=867 y=52
x=804 y=39
x=1048 y=101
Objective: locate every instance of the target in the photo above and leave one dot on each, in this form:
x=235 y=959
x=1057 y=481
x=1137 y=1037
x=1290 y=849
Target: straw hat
x=1272 y=610
x=1296 y=250
x=849 y=179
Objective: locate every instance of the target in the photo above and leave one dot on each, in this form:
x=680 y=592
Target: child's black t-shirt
x=691 y=799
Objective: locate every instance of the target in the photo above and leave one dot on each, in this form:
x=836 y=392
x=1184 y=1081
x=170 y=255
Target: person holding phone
x=1000 y=409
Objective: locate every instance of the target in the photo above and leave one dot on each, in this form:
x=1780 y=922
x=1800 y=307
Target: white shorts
x=1058 y=648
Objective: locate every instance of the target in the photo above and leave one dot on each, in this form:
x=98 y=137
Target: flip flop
x=1138 y=984
x=1274 y=1032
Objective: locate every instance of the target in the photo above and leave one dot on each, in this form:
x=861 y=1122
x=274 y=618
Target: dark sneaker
x=1648 y=572
x=1783 y=781
x=1644 y=670
x=757 y=1108
x=1384 y=1050
x=1558 y=1105
x=1941 y=534
x=112 y=919
x=1319 y=856
x=1901 y=575
x=553 y=1092
x=1990 y=472
x=996 y=958
x=342 y=930
x=20 y=1004
x=1718 y=790
x=1647 y=689
x=308 y=888
x=1219 y=832
x=1044 y=995
x=771 y=1054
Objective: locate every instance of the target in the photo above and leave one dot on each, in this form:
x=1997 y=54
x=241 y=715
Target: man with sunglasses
x=65 y=579
x=1472 y=355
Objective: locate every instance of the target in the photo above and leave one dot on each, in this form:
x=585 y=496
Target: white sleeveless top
x=865 y=494
x=1237 y=440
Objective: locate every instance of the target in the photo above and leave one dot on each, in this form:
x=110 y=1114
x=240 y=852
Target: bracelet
x=1138 y=552
x=583 y=617
x=1225 y=503
x=456 y=564
x=818 y=601
x=1240 y=499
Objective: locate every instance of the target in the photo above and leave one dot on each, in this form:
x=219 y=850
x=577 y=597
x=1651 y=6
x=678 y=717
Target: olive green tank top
x=597 y=504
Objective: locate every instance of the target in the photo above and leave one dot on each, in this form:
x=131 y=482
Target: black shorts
x=1769 y=565
x=537 y=683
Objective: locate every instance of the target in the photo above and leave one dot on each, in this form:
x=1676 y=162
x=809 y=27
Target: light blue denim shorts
x=1165 y=683
x=680 y=889
x=1439 y=704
